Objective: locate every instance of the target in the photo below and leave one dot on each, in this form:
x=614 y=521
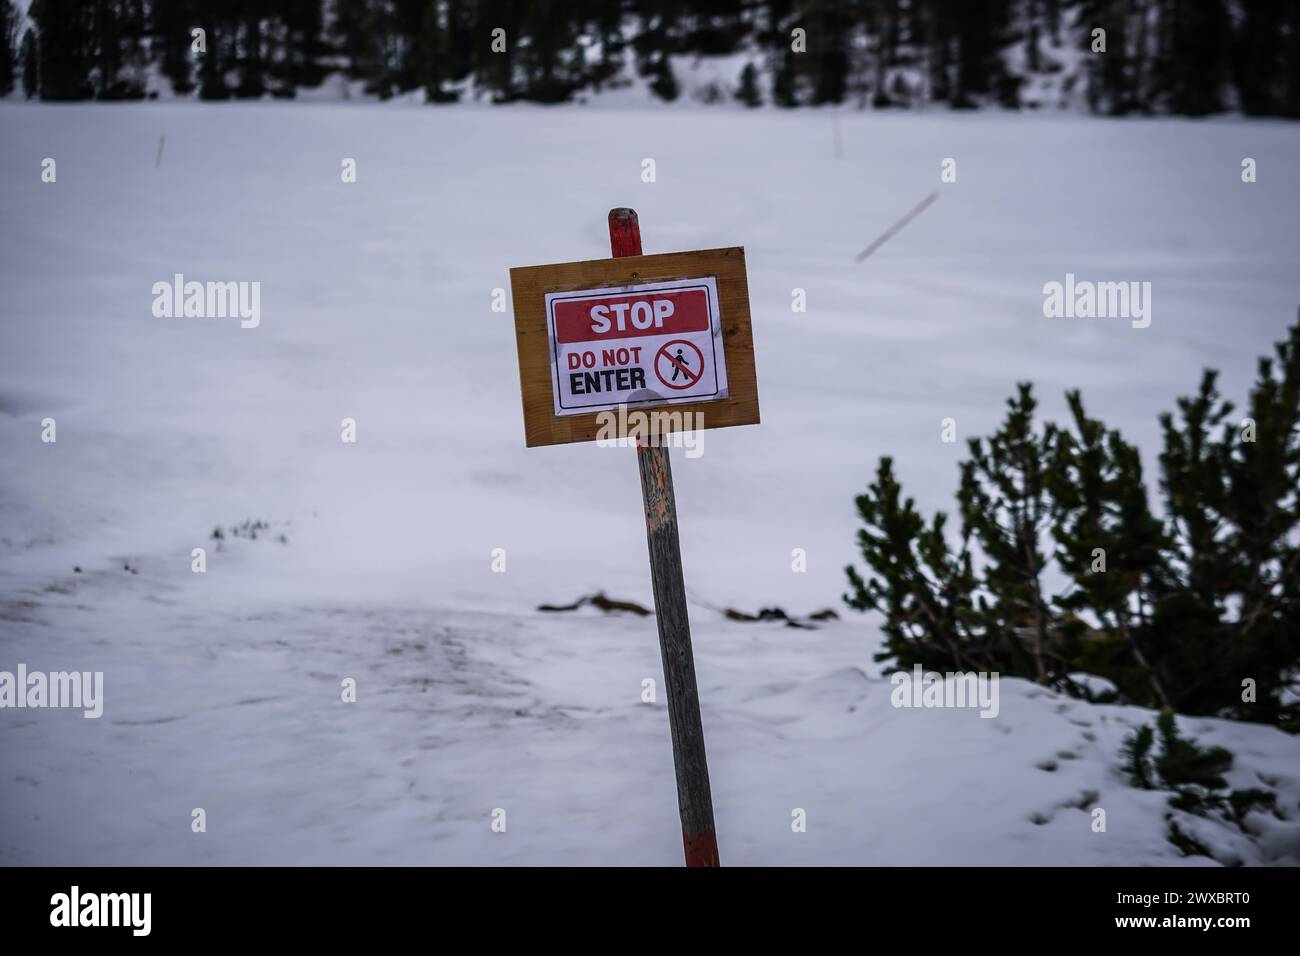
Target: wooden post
x=694 y=800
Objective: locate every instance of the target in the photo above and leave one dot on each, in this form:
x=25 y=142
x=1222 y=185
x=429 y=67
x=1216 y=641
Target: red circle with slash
x=681 y=364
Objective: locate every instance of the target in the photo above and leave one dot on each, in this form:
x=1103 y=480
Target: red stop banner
x=631 y=315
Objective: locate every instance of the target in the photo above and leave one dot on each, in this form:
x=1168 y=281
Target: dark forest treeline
x=1191 y=57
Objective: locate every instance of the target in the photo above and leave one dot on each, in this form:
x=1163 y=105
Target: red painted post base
x=701 y=849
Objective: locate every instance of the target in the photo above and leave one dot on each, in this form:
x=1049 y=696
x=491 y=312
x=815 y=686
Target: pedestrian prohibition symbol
x=674 y=369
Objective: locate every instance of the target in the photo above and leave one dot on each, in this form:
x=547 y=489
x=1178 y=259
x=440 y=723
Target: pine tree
x=219 y=41
x=783 y=82
x=1136 y=758
x=979 y=31
x=378 y=40
x=9 y=19
x=1006 y=506
x=715 y=27
x=1199 y=57
x=551 y=62
x=659 y=36
x=301 y=26
x=1112 y=548
x=63 y=34
x=883 y=20
x=1263 y=501
x=663 y=83
x=30 y=56
x=925 y=592
x=828 y=56
x=105 y=47
x=1198 y=611
x=1108 y=88
x=442 y=50
x=1258 y=58
x=1193 y=772
x=1291 y=70
x=495 y=71
x=252 y=77
x=347 y=30
x=1231 y=489
x=748 y=92
x=1033 y=36
x=613 y=45
x=132 y=55
x=171 y=24
x=937 y=31
x=432 y=56
x=1184 y=763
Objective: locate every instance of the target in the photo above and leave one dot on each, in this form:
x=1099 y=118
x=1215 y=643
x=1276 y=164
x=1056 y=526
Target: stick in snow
x=892 y=230
x=161 y=139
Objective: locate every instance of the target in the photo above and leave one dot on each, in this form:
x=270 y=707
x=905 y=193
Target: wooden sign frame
x=529 y=286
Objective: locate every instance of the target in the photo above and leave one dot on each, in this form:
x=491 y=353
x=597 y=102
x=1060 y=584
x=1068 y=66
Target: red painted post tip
x=624 y=233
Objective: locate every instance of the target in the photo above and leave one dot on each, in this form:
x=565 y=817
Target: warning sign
x=598 y=333
x=650 y=344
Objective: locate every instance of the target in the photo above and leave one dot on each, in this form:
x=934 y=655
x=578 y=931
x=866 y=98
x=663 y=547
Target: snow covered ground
x=222 y=689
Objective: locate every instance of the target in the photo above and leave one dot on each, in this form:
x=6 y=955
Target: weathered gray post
x=694 y=800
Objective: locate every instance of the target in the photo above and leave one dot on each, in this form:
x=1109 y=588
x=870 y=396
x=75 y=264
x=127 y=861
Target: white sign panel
x=657 y=343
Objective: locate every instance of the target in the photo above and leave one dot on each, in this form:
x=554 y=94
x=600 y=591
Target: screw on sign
x=644 y=333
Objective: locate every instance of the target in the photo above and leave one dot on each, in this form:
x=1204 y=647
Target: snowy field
x=222 y=689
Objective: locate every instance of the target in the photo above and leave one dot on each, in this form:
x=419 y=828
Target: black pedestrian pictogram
x=678 y=368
